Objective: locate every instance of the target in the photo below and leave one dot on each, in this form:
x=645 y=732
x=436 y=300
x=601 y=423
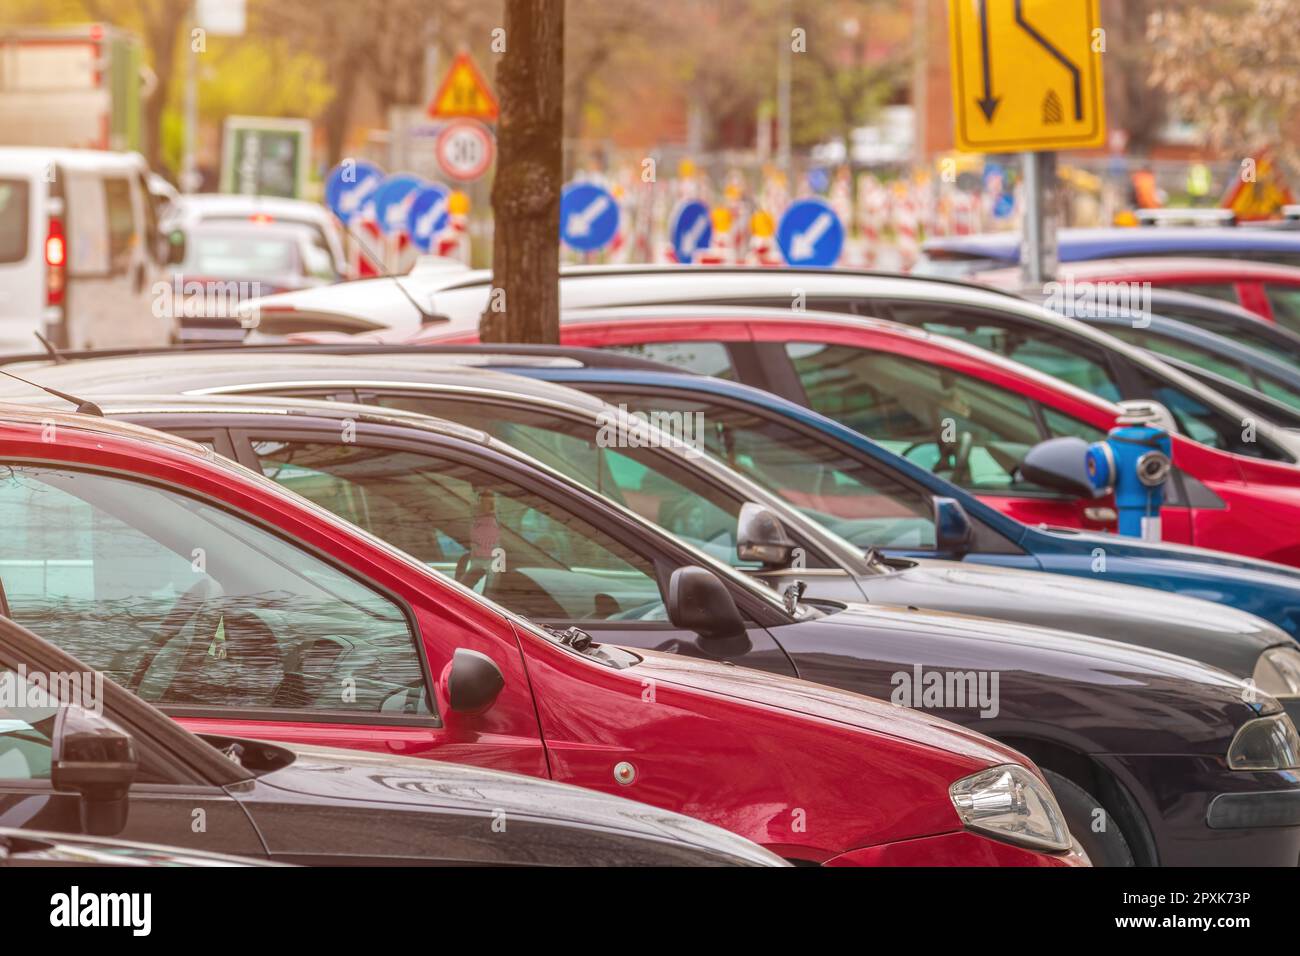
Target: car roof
x=1204 y=268
x=1118 y=241
x=269 y=405
x=38 y=159
x=468 y=354
x=237 y=203
x=211 y=372
x=453 y=301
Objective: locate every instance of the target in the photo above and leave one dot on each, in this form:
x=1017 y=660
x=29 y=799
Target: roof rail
x=589 y=357
x=679 y=269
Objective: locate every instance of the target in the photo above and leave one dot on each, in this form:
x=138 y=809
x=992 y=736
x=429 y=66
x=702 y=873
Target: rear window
x=13 y=219
x=245 y=255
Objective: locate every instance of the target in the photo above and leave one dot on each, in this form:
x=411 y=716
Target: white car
x=80 y=250
x=226 y=208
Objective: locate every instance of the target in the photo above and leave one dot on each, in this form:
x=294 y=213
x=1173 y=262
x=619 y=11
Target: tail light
x=56 y=261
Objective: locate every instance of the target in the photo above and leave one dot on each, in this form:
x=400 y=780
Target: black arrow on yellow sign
x=989 y=104
x=1046 y=45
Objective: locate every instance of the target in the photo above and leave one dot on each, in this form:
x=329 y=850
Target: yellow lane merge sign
x=1026 y=75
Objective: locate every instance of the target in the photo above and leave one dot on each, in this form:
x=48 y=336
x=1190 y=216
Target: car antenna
x=83 y=406
x=59 y=359
x=386 y=273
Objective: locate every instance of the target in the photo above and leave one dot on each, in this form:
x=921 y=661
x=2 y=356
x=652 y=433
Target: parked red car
x=244 y=610
x=900 y=386
x=1270 y=291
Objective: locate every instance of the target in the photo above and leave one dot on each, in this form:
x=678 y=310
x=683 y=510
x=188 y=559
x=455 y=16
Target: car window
x=15 y=201
x=965 y=430
x=490 y=534
x=1285 y=301
x=188 y=605
x=26 y=730
x=1238 y=332
x=860 y=503
x=1176 y=348
x=706 y=358
x=1274 y=388
x=239 y=255
x=644 y=479
x=1207 y=425
x=1062 y=426
x=121 y=222
x=1055 y=354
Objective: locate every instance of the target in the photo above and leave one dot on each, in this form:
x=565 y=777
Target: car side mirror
x=174 y=246
x=698 y=601
x=472 y=682
x=1059 y=464
x=761 y=537
x=952 y=528
x=97 y=760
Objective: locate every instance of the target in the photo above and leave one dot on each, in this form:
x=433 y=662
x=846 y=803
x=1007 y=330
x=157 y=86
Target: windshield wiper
x=573 y=636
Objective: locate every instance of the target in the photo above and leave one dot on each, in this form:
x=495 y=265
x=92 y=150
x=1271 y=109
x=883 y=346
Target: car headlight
x=1277 y=672
x=1012 y=804
x=1266 y=743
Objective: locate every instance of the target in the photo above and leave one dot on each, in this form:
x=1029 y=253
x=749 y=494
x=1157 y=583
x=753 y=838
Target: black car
x=33 y=848
x=92 y=758
x=1144 y=742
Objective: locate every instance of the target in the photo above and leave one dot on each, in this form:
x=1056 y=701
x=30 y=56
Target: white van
x=80 y=251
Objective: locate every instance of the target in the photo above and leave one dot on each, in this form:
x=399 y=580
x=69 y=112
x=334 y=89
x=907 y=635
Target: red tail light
x=56 y=259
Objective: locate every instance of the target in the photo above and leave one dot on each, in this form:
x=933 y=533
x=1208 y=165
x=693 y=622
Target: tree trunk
x=524 y=305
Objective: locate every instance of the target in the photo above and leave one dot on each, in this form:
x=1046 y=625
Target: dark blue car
x=1271 y=591
x=963 y=255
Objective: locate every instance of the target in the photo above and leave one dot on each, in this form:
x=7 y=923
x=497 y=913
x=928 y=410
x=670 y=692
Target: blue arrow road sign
x=588 y=217
x=350 y=186
x=427 y=215
x=691 y=229
x=810 y=234
x=391 y=200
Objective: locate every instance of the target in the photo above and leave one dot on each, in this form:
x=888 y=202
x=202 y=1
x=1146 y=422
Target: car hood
x=1214 y=634
x=334 y=775
x=1214 y=561
x=824 y=703
x=1033 y=651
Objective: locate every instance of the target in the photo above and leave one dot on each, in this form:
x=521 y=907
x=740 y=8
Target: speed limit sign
x=465 y=150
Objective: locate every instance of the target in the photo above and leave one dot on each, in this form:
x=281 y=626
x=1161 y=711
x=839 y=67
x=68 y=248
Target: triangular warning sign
x=1263 y=193
x=464 y=93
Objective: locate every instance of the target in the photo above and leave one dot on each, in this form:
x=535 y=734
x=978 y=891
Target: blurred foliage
x=1235 y=68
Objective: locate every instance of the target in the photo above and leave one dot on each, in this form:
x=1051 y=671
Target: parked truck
x=73 y=86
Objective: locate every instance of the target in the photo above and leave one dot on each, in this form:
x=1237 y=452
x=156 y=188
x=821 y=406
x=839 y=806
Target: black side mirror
x=952 y=527
x=97 y=760
x=761 y=537
x=175 y=246
x=698 y=601
x=471 y=682
x=1059 y=464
